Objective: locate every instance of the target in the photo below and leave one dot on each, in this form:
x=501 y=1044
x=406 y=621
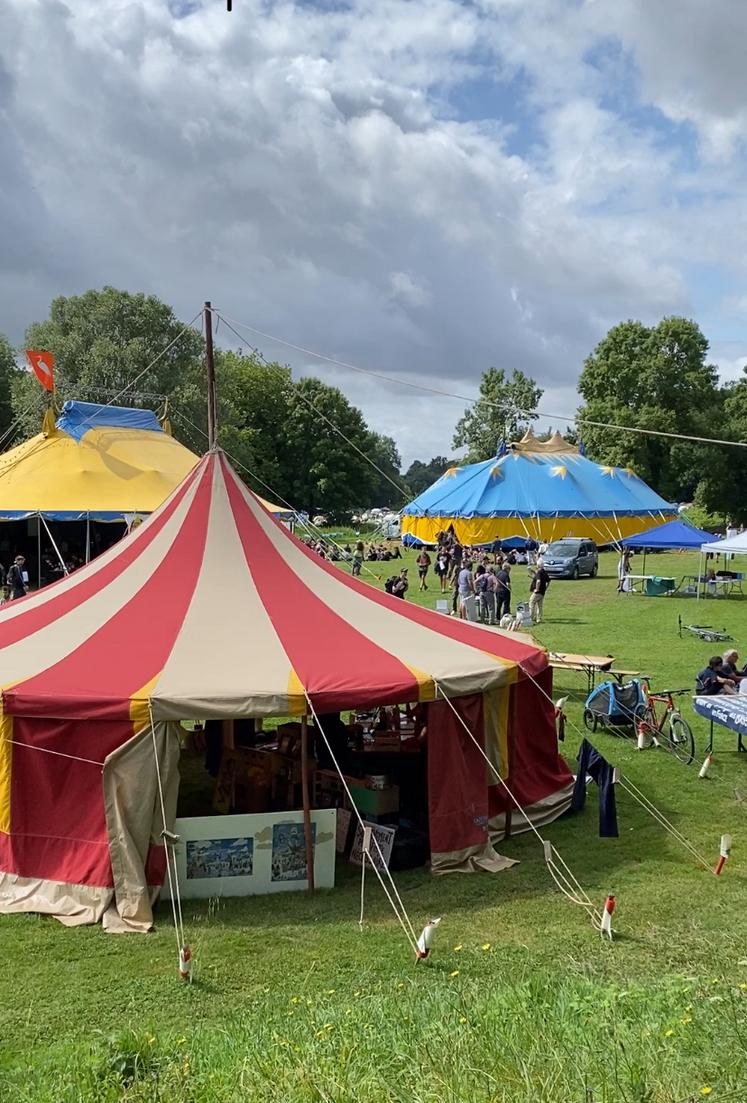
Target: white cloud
x=315 y=171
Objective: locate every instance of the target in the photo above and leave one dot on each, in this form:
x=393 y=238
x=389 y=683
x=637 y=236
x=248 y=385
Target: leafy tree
x=324 y=472
x=388 y=488
x=722 y=489
x=503 y=411
x=419 y=475
x=651 y=378
x=8 y=373
x=101 y=341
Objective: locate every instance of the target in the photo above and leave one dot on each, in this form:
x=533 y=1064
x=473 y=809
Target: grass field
x=521 y=1001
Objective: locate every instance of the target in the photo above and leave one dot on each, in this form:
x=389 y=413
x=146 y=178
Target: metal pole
x=39 y=549
x=308 y=838
x=88 y=538
x=210 y=367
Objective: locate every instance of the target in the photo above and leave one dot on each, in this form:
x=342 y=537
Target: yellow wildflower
x=462 y=1019
x=686 y=1020
x=743 y=986
x=455 y=973
x=486 y=946
x=706 y=1090
x=331 y=991
x=457 y=948
x=668 y=1033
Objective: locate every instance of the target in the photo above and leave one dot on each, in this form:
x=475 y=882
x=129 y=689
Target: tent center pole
x=88 y=538
x=39 y=550
x=210 y=370
x=308 y=838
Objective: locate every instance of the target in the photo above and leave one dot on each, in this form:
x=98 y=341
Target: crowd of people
x=478 y=580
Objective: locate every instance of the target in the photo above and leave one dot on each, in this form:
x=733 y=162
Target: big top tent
x=212 y=609
x=535 y=490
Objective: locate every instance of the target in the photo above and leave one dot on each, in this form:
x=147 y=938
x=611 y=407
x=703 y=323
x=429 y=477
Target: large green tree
x=326 y=473
x=506 y=406
x=420 y=475
x=387 y=487
x=102 y=341
x=654 y=378
x=722 y=486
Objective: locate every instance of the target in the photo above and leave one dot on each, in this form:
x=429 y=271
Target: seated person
x=337 y=736
x=712 y=680
x=730 y=666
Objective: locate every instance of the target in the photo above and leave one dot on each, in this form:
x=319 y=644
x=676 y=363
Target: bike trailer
x=611 y=703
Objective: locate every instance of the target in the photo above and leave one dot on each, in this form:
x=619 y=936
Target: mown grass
x=521 y=1001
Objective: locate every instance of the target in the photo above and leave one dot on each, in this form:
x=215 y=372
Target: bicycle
x=678 y=738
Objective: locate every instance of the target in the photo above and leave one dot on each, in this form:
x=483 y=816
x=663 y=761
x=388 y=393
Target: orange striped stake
x=705 y=769
x=723 y=854
x=609 y=906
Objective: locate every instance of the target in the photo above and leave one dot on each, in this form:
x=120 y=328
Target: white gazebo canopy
x=734 y=545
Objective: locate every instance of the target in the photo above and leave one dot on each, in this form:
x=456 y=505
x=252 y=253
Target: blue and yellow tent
x=535 y=490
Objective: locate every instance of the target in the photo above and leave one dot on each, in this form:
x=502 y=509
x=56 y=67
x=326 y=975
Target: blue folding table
x=730 y=712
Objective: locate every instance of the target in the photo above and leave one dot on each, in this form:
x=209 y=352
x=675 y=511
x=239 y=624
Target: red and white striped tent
x=212 y=609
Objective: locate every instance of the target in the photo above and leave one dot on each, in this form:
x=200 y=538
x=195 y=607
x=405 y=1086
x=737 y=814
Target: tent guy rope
x=574 y=420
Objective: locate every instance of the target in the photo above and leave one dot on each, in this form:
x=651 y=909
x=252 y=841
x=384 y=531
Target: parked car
x=571 y=558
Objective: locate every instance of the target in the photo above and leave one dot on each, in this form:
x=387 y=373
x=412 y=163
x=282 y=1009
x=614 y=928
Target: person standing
x=466 y=589
x=503 y=592
x=15 y=580
x=456 y=558
x=442 y=567
x=537 y=591
x=401 y=584
x=423 y=561
x=623 y=571
x=357 y=563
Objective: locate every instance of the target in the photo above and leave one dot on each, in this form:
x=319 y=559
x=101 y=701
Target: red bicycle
x=664 y=726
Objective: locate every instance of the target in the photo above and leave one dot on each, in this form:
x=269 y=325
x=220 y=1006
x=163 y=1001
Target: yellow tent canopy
x=98 y=463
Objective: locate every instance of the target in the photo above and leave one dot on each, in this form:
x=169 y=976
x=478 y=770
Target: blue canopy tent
x=677 y=535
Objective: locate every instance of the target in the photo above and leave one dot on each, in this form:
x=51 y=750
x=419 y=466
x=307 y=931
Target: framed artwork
x=385 y=838
x=252 y=854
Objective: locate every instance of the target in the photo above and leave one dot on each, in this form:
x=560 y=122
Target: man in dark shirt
x=15 y=581
x=538 y=589
x=503 y=592
x=712 y=681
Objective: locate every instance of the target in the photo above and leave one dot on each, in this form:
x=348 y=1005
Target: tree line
x=304 y=442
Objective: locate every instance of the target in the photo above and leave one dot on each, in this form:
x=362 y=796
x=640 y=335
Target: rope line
x=401 y=911
x=176 y=902
x=403 y=490
x=646 y=803
x=471 y=400
x=48 y=750
x=564 y=878
x=308 y=525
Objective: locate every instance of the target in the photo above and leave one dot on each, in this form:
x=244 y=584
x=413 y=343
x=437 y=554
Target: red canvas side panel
x=531 y=659
x=536 y=768
x=155 y=865
x=92 y=681
x=457 y=785
x=58 y=823
x=310 y=631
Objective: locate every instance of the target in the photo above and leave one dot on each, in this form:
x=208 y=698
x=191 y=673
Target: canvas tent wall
x=211 y=609
x=535 y=490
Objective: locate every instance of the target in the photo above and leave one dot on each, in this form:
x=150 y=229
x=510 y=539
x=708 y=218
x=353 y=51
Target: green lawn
x=520 y=1002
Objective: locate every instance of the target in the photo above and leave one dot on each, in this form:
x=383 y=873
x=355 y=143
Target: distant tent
x=677 y=534
x=536 y=491
x=210 y=609
x=95 y=463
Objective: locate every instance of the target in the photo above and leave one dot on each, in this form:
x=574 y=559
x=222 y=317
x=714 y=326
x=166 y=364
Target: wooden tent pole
x=308 y=838
x=210 y=367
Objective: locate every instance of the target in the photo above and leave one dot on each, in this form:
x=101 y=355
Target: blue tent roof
x=674 y=534
x=531 y=482
x=78 y=417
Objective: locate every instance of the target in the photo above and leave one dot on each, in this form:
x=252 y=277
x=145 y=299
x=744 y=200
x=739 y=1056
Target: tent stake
x=308 y=839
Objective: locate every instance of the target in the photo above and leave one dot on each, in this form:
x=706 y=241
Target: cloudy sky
x=421 y=187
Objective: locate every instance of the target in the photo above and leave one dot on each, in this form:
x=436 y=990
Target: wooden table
x=590 y=665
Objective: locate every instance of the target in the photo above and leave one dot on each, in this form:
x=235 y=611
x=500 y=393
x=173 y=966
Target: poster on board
x=383 y=835
x=252 y=854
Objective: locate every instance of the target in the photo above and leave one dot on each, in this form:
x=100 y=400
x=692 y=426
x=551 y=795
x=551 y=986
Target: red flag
x=42 y=365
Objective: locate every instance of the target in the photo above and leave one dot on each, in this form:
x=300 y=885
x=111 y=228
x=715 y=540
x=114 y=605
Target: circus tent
x=211 y=609
x=535 y=490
